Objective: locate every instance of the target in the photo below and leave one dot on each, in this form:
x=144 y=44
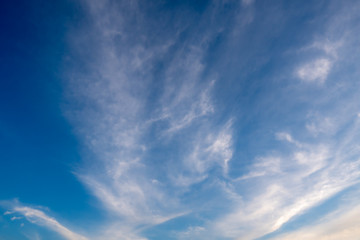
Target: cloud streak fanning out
x=38 y=217
x=123 y=119
x=148 y=115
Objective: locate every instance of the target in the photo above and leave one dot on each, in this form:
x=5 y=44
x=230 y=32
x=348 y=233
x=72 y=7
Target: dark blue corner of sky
x=37 y=148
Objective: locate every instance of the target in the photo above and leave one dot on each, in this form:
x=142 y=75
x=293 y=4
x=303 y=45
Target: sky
x=180 y=119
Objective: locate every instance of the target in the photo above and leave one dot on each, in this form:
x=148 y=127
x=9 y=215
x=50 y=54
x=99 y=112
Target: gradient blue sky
x=179 y=119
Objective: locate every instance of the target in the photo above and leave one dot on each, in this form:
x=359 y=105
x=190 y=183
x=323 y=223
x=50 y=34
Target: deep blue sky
x=38 y=149
x=179 y=119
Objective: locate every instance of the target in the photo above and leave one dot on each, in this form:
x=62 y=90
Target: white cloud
x=113 y=94
x=277 y=202
x=315 y=71
x=210 y=149
x=330 y=48
x=318 y=69
x=200 y=107
x=263 y=166
x=118 y=110
x=287 y=137
x=343 y=225
x=38 y=217
x=15 y=218
x=288 y=185
x=221 y=147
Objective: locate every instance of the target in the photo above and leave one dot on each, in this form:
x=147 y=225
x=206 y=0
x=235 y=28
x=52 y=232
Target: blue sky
x=178 y=119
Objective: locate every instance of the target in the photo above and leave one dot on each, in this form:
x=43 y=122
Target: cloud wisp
x=342 y=224
x=315 y=71
x=38 y=217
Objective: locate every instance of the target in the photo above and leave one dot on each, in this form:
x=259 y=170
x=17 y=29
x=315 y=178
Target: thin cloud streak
x=38 y=217
x=342 y=225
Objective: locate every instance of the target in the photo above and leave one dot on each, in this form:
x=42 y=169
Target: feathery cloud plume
x=40 y=218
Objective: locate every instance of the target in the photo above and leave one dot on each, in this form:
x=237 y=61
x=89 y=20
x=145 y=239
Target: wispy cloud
x=200 y=107
x=315 y=71
x=330 y=45
x=343 y=224
x=287 y=186
x=40 y=218
x=210 y=149
x=121 y=118
x=146 y=112
x=15 y=218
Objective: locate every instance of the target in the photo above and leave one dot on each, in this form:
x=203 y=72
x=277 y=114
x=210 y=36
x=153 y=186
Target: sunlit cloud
x=339 y=225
